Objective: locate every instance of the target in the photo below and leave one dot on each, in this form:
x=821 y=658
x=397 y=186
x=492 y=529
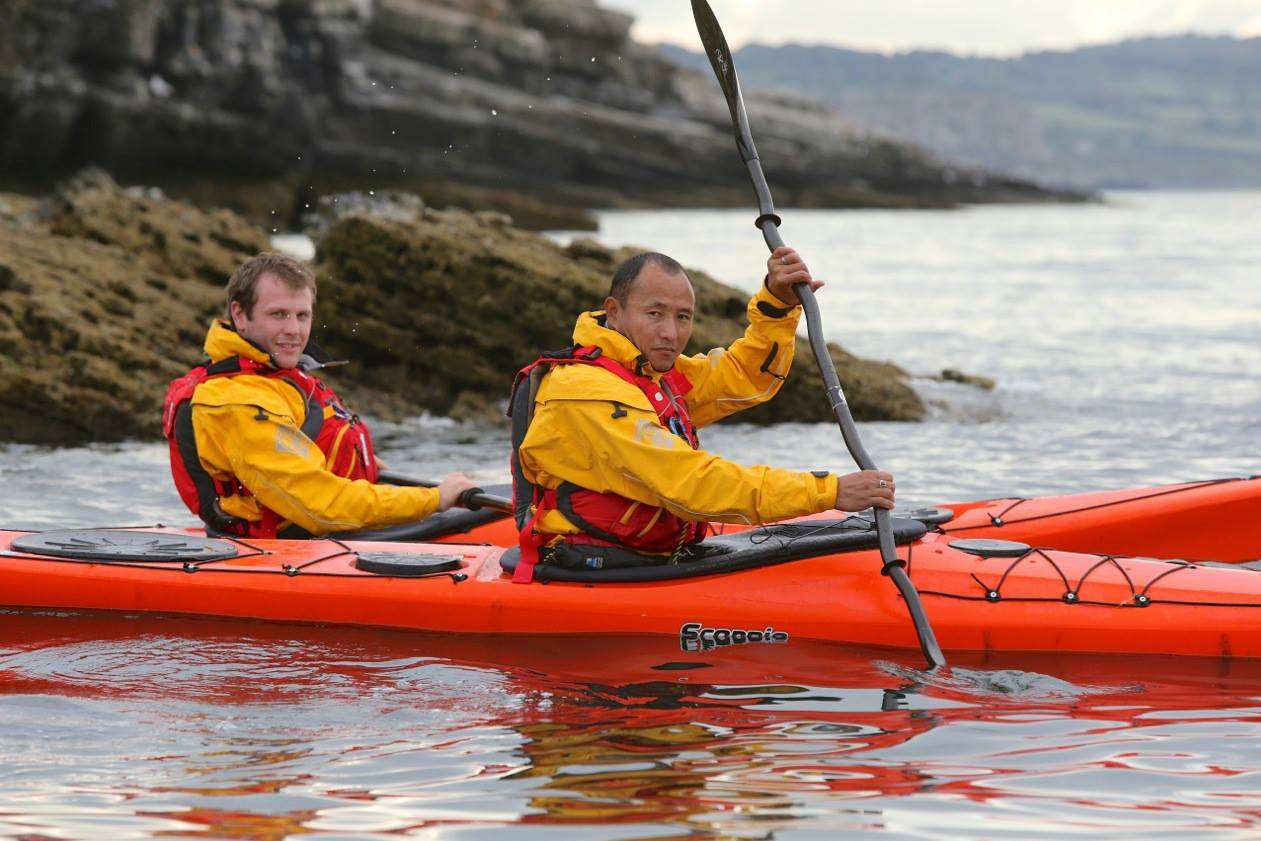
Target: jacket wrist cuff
x=823 y=486
x=769 y=305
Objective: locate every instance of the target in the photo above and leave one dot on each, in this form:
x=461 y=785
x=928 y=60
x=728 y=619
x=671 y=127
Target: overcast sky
x=990 y=27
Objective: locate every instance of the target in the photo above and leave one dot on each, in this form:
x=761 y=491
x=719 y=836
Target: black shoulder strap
x=230 y=365
x=521 y=409
x=525 y=389
x=217 y=521
x=313 y=421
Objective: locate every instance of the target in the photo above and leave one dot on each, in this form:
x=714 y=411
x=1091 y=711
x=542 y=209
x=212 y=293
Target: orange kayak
x=1218 y=520
x=811 y=579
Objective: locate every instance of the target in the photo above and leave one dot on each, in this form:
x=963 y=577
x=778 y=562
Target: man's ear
x=238 y=312
x=613 y=310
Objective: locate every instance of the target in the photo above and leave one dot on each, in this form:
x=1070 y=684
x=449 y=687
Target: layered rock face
x=106 y=294
x=549 y=97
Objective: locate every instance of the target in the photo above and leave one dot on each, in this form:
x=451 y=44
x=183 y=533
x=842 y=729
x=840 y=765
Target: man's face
x=657 y=315
x=281 y=321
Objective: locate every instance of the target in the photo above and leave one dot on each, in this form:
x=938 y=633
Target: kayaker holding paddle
x=607 y=467
x=262 y=448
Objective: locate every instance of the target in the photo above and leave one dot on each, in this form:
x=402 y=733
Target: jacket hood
x=222 y=342
x=590 y=330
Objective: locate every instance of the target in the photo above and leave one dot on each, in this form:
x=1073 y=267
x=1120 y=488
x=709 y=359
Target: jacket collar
x=222 y=342
x=590 y=330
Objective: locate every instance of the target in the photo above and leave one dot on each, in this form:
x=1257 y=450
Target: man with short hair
x=606 y=457
x=262 y=448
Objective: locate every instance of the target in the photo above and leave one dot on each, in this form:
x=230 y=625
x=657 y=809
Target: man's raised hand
x=785 y=269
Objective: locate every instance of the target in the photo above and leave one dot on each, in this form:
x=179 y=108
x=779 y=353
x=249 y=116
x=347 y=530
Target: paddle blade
x=719 y=55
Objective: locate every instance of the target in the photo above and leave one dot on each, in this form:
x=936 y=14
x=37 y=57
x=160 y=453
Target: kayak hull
x=1048 y=600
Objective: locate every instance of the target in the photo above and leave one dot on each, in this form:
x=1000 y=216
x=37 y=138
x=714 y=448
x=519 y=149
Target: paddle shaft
x=473 y=498
x=893 y=567
x=768 y=221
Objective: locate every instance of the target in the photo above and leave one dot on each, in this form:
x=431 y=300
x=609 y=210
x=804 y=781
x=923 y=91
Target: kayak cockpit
x=758 y=547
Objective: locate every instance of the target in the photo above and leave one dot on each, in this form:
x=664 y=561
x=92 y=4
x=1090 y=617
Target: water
x=1125 y=342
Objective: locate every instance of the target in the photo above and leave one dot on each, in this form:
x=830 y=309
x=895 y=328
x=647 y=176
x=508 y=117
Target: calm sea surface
x=1126 y=341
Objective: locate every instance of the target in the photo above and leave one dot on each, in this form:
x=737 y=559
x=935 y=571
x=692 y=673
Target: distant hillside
x=1161 y=112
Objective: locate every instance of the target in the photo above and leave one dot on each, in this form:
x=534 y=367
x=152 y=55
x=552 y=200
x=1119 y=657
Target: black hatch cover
x=123 y=545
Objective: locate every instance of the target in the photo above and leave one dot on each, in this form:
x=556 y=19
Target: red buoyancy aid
x=606 y=519
x=342 y=437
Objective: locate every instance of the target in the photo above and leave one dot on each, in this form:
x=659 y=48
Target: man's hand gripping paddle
x=720 y=58
x=472 y=499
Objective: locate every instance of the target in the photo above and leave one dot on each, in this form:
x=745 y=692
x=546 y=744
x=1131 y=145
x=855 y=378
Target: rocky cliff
x=105 y=296
x=268 y=103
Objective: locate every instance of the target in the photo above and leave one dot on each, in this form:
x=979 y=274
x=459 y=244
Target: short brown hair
x=243 y=285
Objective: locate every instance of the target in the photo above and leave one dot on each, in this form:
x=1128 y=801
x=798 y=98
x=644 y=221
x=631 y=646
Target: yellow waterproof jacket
x=248 y=427
x=597 y=431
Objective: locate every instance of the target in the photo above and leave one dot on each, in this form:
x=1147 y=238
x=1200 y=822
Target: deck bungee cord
x=1002 y=518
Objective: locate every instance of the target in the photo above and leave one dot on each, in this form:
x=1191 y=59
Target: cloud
x=980 y=26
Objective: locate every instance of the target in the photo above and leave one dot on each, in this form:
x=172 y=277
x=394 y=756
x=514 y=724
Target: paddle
x=725 y=69
x=472 y=499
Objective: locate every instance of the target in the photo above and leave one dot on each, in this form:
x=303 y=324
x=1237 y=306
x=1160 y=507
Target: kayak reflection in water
x=262 y=448
x=607 y=467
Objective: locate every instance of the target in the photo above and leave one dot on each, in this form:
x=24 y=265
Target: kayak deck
x=1038 y=600
x=1218 y=520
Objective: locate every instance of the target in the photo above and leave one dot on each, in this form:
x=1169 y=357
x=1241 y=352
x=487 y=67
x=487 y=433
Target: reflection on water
x=173 y=726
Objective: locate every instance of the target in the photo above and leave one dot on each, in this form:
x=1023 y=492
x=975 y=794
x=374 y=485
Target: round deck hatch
x=405 y=565
x=930 y=516
x=991 y=548
x=123 y=545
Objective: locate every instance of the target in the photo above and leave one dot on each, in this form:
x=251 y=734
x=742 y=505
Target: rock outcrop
x=270 y=103
x=453 y=304
x=105 y=295
x=104 y=298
